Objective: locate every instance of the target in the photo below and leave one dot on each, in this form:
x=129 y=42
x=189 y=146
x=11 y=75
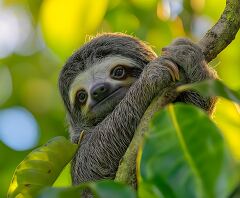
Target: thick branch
x=215 y=40
x=223 y=32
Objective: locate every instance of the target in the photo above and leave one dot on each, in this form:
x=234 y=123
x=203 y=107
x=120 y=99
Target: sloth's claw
x=80 y=137
x=172 y=69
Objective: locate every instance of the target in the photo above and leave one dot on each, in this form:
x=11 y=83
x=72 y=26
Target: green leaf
x=109 y=189
x=49 y=192
x=149 y=189
x=101 y=189
x=184 y=155
x=41 y=167
x=212 y=88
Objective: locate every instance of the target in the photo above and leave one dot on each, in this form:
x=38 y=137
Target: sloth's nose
x=100 y=91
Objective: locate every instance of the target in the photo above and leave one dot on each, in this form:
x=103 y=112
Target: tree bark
x=214 y=41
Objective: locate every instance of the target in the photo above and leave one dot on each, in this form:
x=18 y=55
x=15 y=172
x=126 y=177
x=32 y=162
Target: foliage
x=41 y=167
x=180 y=157
x=102 y=189
x=186 y=157
x=212 y=88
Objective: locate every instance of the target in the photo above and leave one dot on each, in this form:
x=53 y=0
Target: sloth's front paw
x=161 y=64
x=189 y=58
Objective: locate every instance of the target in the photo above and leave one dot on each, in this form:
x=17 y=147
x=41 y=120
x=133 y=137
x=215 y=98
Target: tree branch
x=214 y=41
x=223 y=32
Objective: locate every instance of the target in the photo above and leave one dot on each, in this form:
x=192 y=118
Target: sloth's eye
x=118 y=72
x=82 y=96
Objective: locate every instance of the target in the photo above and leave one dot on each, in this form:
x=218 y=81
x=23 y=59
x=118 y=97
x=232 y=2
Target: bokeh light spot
x=169 y=9
x=18 y=128
x=66 y=23
x=9 y=32
x=197 y=5
x=16 y=32
x=200 y=26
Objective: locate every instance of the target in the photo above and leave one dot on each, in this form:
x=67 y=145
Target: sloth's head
x=97 y=76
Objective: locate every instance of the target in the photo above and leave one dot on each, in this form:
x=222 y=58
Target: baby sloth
x=108 y=84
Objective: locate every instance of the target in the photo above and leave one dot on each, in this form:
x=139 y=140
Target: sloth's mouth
x=117 y=94
x=99 y=110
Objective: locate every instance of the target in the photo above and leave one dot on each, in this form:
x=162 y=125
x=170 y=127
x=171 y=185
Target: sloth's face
x=96 y=91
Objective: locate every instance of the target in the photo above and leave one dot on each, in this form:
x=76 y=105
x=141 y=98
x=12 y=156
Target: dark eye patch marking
x=128 y=71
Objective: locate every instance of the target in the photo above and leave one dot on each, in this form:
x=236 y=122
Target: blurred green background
x=36 y=37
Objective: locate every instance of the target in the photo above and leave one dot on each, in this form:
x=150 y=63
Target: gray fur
x=106 y=140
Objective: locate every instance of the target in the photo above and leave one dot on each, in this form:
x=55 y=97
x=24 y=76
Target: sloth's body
x=107 y=86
